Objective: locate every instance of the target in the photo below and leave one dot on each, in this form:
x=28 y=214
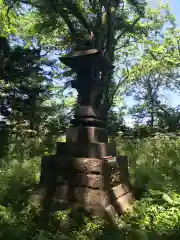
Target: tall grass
x=157 y=158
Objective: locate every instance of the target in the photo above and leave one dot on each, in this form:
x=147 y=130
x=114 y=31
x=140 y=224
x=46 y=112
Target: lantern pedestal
x=82 y=176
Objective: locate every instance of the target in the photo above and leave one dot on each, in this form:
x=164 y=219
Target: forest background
x=142 y=40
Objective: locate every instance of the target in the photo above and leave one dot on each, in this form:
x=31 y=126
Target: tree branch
x=111 y=15
x=119 y=84
x=68 y=22
x=125 y=30
x=125 y=44
x=75 y=11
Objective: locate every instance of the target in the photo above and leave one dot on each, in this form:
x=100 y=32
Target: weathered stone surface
x=110 y=210
x=62 y=193
x=120 y=190
x=114 y=179
x=125 y=202
x=95 y=210
x=83 y=179
x=91 y=150
x=86 y=181
x=86 y=134
x=89 y=180
x=87 y=196
x=119 y=169
x=88 y=164
x=107 y=212
x=86 y=149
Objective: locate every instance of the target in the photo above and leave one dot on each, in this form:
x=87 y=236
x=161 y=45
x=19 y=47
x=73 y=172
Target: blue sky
x=175 y=7
x=172 y=99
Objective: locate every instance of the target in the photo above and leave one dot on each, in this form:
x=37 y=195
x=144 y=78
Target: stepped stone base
x=99 y=186
x=81 y=176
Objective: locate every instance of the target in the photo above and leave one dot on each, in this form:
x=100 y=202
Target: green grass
x=154 y=164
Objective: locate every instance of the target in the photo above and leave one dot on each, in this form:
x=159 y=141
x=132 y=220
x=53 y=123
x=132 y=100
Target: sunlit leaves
x=8 y=20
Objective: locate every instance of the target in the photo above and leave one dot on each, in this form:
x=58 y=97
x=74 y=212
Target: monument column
x=85 y=172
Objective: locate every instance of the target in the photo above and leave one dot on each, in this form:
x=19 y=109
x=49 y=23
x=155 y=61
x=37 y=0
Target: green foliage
x=146 y=61
x=154 y=163
x=154 y=167
x=156 y=157
x=17 y=181
x=157 y=215
x=8 y=20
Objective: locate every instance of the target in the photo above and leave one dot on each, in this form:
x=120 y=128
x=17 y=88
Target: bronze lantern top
x=82 y=59
x=88 y=64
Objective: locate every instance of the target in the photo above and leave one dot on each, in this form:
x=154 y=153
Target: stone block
x=91 y=150
x=90 y=196
x=93 y=165
x=94 y=210
x=85 y=149
x=114 y=179
x=61 y=193
x=120 y=190
x=110 y=210
x=86 y=181
x=89 y=180
x=83 y=179
x=125 y=202
x=119 y=169
x=86 y=134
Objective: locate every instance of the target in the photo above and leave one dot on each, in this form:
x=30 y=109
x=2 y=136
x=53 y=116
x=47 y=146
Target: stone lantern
x=85 y=172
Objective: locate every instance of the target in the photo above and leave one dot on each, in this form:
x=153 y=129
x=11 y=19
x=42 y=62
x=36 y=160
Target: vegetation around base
x=154 y=165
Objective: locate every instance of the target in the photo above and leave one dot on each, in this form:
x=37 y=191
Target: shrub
x=154 y=161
